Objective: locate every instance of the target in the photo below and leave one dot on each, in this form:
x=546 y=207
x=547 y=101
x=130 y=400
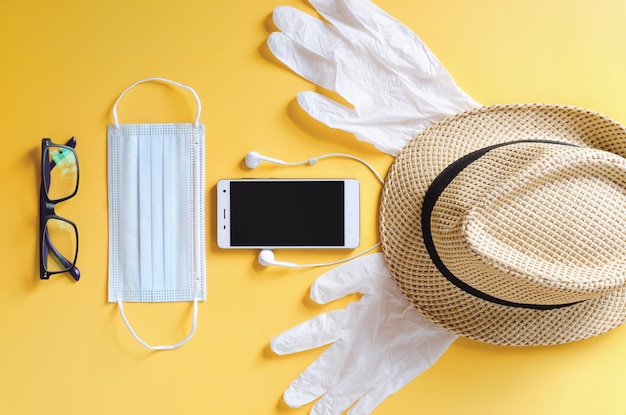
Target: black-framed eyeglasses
x=58 y=236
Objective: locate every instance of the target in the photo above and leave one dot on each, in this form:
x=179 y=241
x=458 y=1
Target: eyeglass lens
x=61 y=243
x=63 y=177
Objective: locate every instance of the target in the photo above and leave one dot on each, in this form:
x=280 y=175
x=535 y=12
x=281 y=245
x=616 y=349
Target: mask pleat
x=175 y=213
x=129 y=203
x=158 y=196
x=145 y=216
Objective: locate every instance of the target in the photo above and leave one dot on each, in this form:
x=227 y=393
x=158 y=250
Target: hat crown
x=535 y=223
x=405 y=223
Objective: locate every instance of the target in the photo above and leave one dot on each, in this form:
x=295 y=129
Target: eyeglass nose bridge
x=48 y=209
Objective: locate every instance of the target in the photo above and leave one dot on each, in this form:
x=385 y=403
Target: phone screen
x=287 y=213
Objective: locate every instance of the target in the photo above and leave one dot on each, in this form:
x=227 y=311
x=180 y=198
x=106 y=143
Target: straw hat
x=507 y=224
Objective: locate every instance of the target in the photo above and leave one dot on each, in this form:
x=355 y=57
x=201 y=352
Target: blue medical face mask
x=156 y=213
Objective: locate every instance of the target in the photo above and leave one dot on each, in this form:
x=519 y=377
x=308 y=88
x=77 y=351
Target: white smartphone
x=288 y=213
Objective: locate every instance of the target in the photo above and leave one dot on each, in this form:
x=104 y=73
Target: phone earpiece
x=253 y=159
x=266 y=258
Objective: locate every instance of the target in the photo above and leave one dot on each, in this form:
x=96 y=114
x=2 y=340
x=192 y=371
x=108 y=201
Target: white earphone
x=266 y=257
x=253 y=159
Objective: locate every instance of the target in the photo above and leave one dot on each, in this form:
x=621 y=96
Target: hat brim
x=412 y=173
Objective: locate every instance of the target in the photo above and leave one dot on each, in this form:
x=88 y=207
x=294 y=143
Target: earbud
x=253 y=159
x=266 y=258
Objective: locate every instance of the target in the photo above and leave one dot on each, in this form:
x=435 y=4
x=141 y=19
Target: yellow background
x=65 y=350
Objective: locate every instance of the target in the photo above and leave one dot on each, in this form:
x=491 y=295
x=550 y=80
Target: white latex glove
x=380 y=342
x=396 y=85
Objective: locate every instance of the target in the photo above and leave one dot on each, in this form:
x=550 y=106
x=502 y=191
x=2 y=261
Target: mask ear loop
x=195 y=301
x=166 y=347
x=196 y=122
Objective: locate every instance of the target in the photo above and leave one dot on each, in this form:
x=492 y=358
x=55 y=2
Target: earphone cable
x=325 y=264
x=314 y=160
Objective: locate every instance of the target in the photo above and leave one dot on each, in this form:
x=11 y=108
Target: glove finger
x=309 y=32
x=342 y=14
x=335 y=115
x=324 y=109
x=374 y=397
x=433 y=342
x=317 y=378
x=313 y=333
x=402 y=46
x=364 y=388
x=343 y=394
x=309 y=65
x=356 y=276
x=362 y=16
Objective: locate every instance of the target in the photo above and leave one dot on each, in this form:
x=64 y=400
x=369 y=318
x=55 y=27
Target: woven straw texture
x=532 y=223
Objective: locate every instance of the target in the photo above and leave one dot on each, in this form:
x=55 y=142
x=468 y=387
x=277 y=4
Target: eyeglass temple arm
x=74 y=271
